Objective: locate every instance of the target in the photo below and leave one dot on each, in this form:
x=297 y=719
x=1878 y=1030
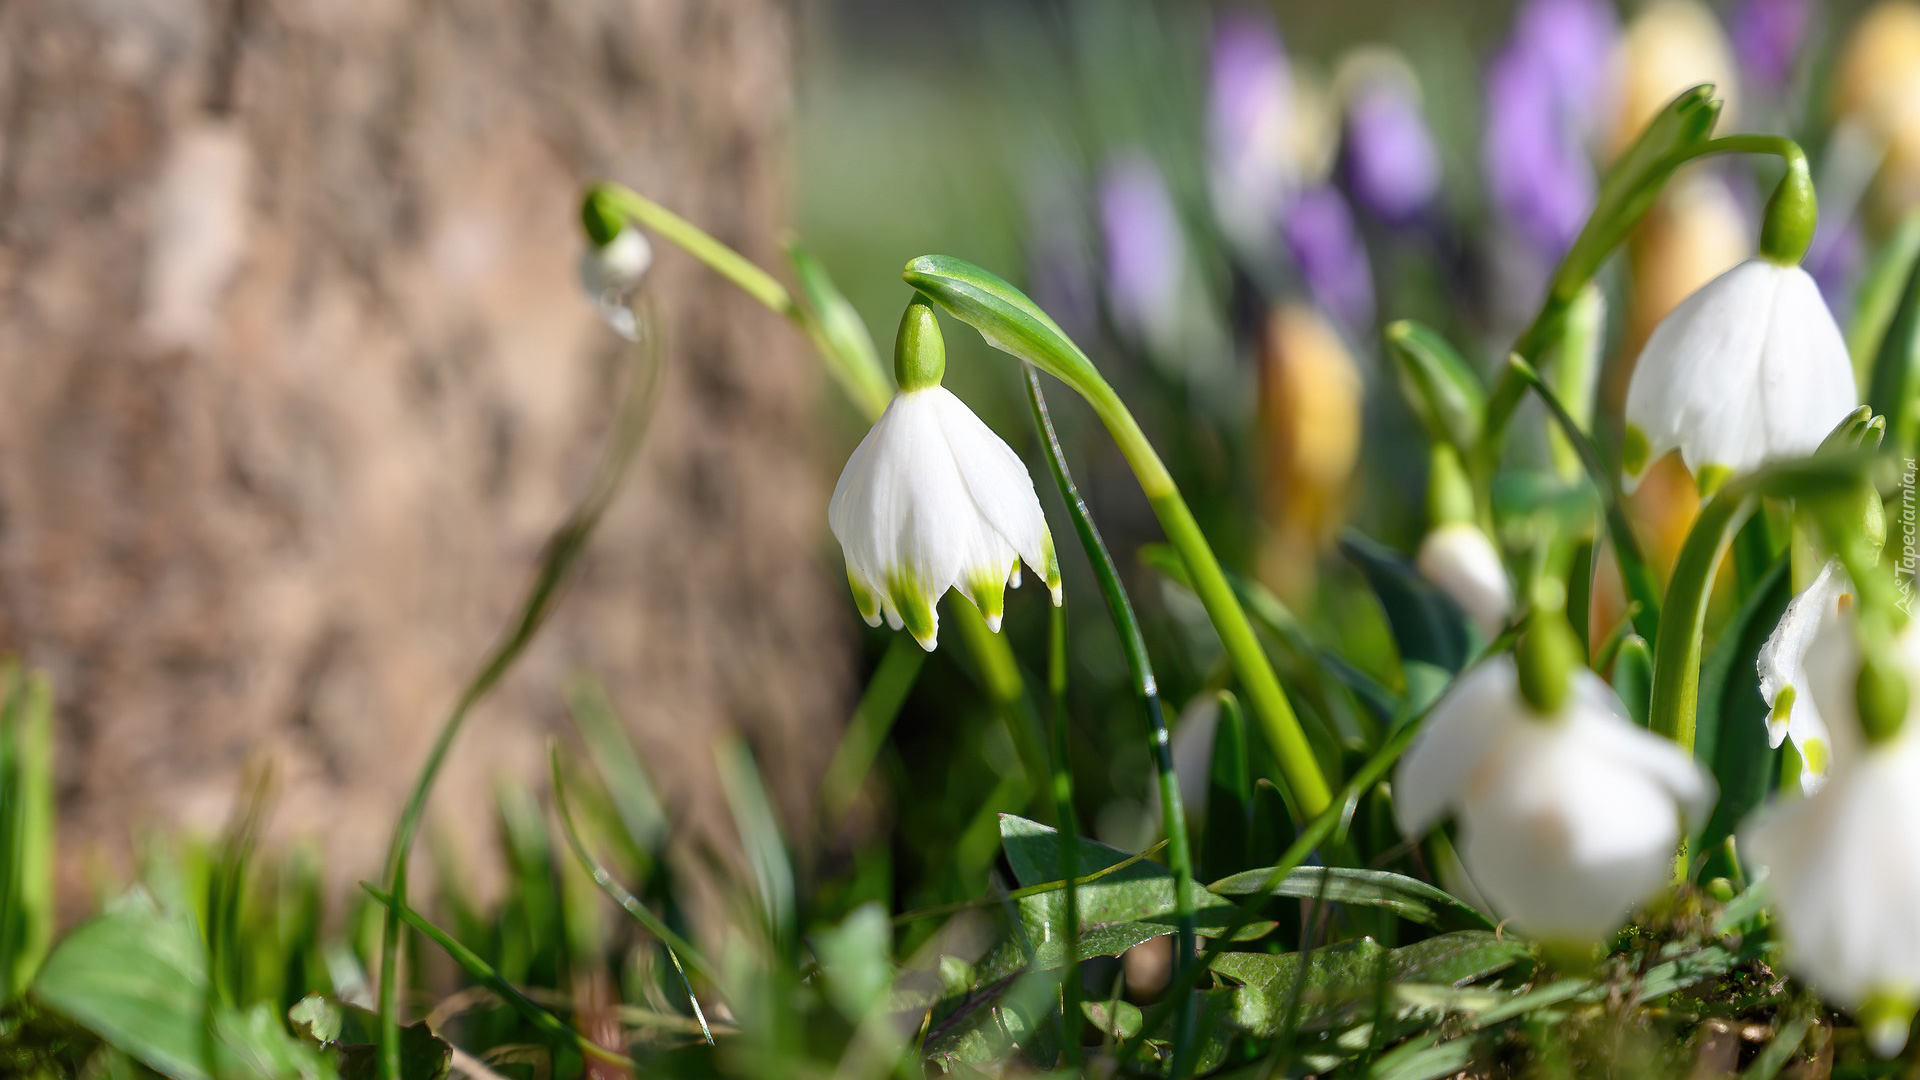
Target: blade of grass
x=26 y=827
x=628 y=902
x=879 y=706
x=1146 y=691
x=562 y=553
x=483 y=973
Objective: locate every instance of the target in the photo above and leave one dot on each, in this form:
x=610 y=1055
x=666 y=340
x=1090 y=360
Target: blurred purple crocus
x=1537 y=169
x=1766 y=37
x=1573 y=40
x=1145 y=247
x=1546 y=88
x=1249 y=107
x=1387 y=153
x=1325 y=244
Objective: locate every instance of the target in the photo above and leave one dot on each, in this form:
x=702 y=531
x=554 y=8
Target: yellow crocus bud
x=1310 y=397
x=1877 y=93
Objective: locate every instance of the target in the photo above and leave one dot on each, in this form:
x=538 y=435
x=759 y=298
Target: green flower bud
x=1792 y=213
x=919 y=352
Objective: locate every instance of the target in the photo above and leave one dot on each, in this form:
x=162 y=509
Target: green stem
x=999 y=671
x=1068 y=821
x=879 y=705
x=1676 y=665
x=561 y=555
x=1269 y=700
x=1634 y=571
x=1146 y=689
x=1013 y=323
x=693 y=240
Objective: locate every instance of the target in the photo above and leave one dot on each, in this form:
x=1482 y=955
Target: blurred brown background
x=295 y=377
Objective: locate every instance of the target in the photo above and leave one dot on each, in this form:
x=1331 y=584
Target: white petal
x=1748 y=369
x=1843 y=866
x=1463 y=563
x=1566 y=842
x=1782 y=663
x=1455 y=742
x=998 y=481
x=1806 y=377
x=1603 y=733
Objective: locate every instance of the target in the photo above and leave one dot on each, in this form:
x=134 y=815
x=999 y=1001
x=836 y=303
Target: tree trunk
x=295 y=377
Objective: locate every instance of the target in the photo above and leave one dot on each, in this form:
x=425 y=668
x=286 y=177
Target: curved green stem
x=1305 y=781
x=1146 y=690
x=1634 y=570
x=562 y=553
x=1014 y=324
x=1676 y=664
x=867 y=386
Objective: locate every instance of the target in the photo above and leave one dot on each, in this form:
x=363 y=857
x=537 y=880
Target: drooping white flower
x=1786 y=684
x=1566 y=822
x=1748 y=369
x=611 y=272
x=931 y=500
x=1462 y=562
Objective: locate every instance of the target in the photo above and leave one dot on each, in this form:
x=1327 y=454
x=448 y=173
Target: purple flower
x=1062 y=272
x=1539 y=173
x=1574 y=42
x=1766 y=38
x=1388 y=156
x=1546 y=89
x=1145 y=247
x=1320 y=234
x=1249 y=105
x=1834 y=261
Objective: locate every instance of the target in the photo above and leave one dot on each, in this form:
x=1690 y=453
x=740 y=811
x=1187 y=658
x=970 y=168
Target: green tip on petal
x=988 y=591
x=1053 y=570
x=1814 y=754
x=1887 y=1018
x=864 y=600
x=1712 y=478
x=916 y=611
x=1634 y=450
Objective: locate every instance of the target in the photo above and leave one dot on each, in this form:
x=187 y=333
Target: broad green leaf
x=1228 y=821
x=1731 y=736
x=1342 y=982
x=1118 y=910
x=1632 y=676
x=1122 y=1023
x=350 y=1033
x=1409 y=898
x=137 y=977
x=856 y=958
x=1442 y=388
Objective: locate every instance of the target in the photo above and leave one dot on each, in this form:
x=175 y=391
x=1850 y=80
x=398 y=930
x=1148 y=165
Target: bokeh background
x=295 y=374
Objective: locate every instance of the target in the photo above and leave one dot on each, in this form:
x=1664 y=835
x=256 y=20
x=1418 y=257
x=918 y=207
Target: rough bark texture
x=295 y=376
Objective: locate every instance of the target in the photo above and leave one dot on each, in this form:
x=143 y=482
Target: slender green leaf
x=1895 y=390
x=1444 y=391
x=1409 y=898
